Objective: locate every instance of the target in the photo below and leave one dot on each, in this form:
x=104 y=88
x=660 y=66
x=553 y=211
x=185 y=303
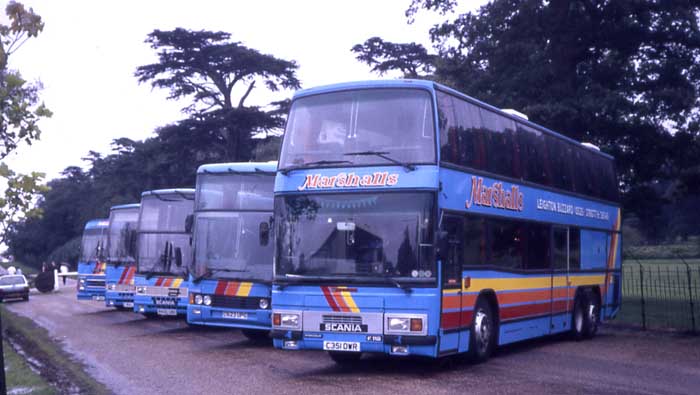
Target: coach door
x=561 y=298
x=451 y=317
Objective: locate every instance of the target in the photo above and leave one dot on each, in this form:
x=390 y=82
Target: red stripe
x=159 y=281
x=340 y=301
x=522 y=311
x=329 y=299
x=232 y=288
x=132 y=272
x=450 y=320
x=220 y=287
x=124 y=273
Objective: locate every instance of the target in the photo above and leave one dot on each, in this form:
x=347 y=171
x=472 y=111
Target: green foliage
x=68 y=252
x=620 y=74
x=20 y=112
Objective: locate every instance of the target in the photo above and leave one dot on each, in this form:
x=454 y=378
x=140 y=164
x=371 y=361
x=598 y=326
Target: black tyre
x=256 y=335
x=345 y=358
x=26 y=297
x=584 y=322
x=592 y=315
x=482 y=336
x=150 y=315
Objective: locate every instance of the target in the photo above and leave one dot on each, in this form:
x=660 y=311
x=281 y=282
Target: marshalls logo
x=495 y=196
x=350 y=180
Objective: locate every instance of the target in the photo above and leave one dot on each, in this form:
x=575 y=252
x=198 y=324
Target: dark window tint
x=560 y=248
x=574 y=249
x=537 y=245
x=453 y=273
x=506 y=244
x=500 y=132
x=482 y=139
x=475 y=241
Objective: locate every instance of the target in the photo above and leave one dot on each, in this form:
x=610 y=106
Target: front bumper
x=368 y=343
x=237 y=318
x=119 y=299
x=147 y=304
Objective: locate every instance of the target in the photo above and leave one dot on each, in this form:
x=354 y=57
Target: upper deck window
x=246 y=191
x=327 y=128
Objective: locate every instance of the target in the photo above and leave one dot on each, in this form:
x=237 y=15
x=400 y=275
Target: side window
x=574 y=249
x=506 y=244
x=473 y=139
x=501 y=131
x=452 y=274
x=537 y=244
x=533 y=155
x=559 y=248
x=448 y=128
x=475 y=241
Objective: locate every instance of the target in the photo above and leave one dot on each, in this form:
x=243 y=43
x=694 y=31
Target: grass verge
x=56 y=366
x=21 y=379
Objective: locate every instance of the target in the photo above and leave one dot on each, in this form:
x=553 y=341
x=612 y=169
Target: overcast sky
x=89 y=50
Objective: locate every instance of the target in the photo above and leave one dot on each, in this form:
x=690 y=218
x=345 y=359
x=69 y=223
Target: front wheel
x=482 y=336
x=345 y=358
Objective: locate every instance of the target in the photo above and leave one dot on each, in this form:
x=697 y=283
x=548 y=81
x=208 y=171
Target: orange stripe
x=341 y=302
x=450 y=302
x=168 y=282
x=232 y=288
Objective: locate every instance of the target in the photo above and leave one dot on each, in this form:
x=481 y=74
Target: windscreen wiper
x=398 y=284
x=286 y=170
x=199 y=278
x=383 y=155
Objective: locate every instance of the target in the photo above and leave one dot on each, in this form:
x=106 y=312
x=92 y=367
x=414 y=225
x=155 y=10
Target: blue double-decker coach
x=91 y=266
x=121 y=256
x=164 y=252
x=412 y=219
x=233 y=247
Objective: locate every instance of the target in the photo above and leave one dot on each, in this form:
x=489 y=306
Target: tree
x=207 y=68
x=20 y=112
x=624 y=74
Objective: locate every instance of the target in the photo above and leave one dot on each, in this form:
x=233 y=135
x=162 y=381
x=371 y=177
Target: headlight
x=82 y=281
x=198 y=299
x=206 y=300
x=289 y=320
x=140 y=290
x=398 y=324
x=414 y=324
x=111 y=287
x=264 y=303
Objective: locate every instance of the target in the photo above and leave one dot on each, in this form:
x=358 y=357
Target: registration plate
x=341 y=346
x=234 y=315
x=98 y=297
x=128 y=304
x=166 y=311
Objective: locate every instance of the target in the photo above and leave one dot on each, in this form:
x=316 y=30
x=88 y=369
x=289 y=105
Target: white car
x=14 y=286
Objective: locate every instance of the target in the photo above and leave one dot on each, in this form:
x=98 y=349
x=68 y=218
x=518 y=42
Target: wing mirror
x=264 y=233
x=189 y=223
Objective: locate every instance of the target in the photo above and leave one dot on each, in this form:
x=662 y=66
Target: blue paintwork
x=116 y=298
x=213 y=316
x=171 y=191
x=259 y=319
x=368 y=299
x=146 y=304
x=454 y=192
x=86 y=269
x=245 y=167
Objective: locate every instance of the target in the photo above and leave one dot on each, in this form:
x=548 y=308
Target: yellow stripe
x=349 y=301
x=508 y=284
x=176 y=283
x=244 y=289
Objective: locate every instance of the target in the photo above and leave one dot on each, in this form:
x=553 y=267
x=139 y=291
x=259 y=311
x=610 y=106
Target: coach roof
x=238 y=167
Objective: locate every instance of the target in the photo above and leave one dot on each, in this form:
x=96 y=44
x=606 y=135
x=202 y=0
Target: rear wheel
x=150 y=315
x=584 y=323
x=26 y=297
x=256 y=335
x=482 y=337
x=592 y=314
x=345 y=358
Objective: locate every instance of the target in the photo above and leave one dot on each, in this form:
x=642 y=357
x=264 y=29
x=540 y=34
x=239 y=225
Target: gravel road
x=135 y=355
